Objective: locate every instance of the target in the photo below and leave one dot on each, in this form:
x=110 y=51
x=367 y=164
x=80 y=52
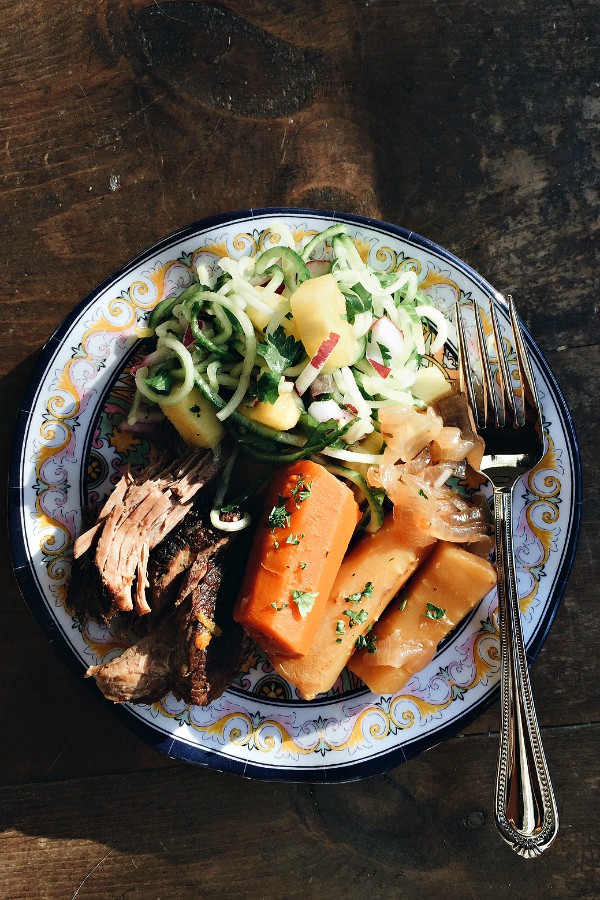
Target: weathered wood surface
x=475 y=124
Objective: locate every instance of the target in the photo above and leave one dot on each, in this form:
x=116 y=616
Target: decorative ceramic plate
x=69 y=451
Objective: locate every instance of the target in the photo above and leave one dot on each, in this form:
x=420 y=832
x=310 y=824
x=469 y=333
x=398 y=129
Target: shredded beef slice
x=181 y=654
x=137 y=516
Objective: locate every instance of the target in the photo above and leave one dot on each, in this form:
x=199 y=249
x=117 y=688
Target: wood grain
x=476 y=125
x=425 y=830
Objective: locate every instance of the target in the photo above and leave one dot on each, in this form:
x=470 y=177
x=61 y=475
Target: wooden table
x=477 y=124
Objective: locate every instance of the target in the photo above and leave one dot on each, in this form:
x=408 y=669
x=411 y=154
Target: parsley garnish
x=279 y=517
x=302 y=565
x=340 y=627
x=366 y=642
x=356 y=618
x=276 y=544
x=366 y=592
x=434 y=612
x=279 y=608
x=302 y=491
x=304 y=600
x=292 y=539
x=422 y=493
x=196 y=410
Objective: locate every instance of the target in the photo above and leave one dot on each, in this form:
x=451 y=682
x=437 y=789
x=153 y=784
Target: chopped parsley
x=366 y=642
x=196 y=410
x=434 y=612
x=276 y=544
x=304 y=600
x=302 y=491
x=302 y=565
x=422 y=493
x=366 y=592
x=293 y=539
x=279 y=517
x=279 y=608
x=356 y=618
x=340 y=627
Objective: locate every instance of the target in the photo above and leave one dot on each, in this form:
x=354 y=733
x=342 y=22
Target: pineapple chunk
x=195 y=419
x=261 y=319
x=430 y=384
x=318 y=309
x=281 y=415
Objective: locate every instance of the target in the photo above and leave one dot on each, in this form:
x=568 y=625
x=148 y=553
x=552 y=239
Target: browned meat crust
x=137 y=516
x=196 y=650
x=170 y=580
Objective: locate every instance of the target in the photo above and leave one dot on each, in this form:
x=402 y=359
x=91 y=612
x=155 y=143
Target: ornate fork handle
x=525 y=809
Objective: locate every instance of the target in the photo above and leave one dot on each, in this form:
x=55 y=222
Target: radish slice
x=316 y=364
x=384 y=334
x=157 y=356
x=318 y=267
x=324 y=410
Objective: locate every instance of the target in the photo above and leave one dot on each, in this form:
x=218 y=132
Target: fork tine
x=464 y=369
x=489 y=391
x=528 y=386
x=506 y=389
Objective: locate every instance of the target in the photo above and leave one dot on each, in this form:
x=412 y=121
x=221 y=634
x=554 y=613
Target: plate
x=69 y=451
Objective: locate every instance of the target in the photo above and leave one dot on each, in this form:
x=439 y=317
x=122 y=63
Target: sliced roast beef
x=136 y=517
x=196 y=649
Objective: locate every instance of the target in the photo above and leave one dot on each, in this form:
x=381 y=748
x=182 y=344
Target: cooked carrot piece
x=300 y=541
x=405 y=639
x=372 y=573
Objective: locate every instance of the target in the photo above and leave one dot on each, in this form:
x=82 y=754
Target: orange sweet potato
x=372 y=573
x=308 y=519
x=443 y=591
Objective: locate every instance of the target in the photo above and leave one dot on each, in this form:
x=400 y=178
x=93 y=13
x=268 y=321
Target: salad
x=298 y=352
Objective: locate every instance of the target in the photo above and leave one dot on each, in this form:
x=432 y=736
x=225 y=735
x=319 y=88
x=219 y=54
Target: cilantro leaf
x=304 y=600
x=386 y=356
x=358 y=300
x=266 y=388
x=434 y=612
x=278 y=350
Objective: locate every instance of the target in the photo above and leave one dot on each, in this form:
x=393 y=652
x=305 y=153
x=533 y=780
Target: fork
x=525 y=807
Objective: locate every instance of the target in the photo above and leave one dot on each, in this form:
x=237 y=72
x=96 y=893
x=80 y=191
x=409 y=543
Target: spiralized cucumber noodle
x=231 y=335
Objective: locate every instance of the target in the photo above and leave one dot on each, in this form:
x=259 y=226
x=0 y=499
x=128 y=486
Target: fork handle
x=525 y=810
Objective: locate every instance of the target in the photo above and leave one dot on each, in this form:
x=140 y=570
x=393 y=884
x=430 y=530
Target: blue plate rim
x=168 y=744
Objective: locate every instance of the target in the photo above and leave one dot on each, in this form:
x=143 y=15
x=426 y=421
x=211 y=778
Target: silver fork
x=525 y=808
